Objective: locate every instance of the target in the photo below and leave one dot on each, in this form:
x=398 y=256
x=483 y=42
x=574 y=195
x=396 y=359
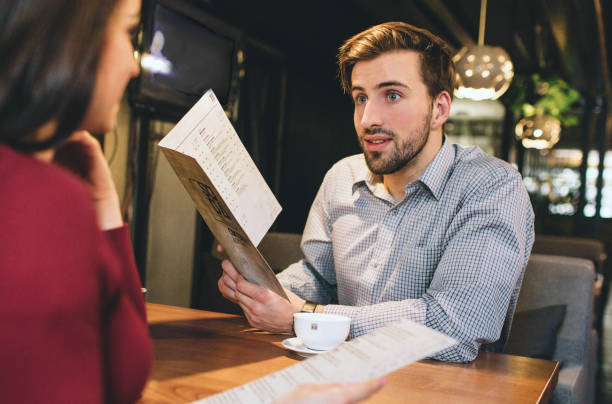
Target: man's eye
x=361 y=99
x=393 y=96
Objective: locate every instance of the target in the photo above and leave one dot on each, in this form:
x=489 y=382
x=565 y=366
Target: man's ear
x=441 y=110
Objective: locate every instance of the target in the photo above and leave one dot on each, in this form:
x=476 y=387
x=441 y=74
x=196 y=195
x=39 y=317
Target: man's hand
x=332 y=393
x=81 y=153
x=263 y=308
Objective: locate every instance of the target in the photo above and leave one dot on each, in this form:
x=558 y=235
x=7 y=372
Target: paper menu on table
x=206 y=134
x=225 y=185
x=372 y=355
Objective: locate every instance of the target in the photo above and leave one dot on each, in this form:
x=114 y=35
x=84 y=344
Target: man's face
x=392 y=109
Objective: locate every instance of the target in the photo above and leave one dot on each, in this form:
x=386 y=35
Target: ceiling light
x=483 y=72
x=538 y=132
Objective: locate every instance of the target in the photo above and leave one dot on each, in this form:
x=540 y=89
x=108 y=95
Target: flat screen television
x=183 y=53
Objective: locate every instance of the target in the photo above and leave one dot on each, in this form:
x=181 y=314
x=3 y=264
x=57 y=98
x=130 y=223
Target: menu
x=224 y=183
x=372 y=355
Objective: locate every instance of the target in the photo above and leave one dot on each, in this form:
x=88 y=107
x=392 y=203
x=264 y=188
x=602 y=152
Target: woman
x=72 y=314
x=74 y=327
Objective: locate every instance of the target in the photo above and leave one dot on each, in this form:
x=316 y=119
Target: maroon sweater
x=72 y=316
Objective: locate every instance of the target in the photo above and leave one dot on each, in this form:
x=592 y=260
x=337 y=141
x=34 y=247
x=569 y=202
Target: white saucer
x=296 y=345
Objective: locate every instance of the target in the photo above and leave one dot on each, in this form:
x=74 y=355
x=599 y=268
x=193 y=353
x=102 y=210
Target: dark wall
x=295 y=125
x=319 y=131
x=293 y=117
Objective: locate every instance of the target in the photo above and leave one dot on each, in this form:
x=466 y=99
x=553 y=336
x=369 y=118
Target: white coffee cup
x=321 y=331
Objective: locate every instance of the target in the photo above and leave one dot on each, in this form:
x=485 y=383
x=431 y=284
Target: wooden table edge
x=550 y=385
x=543 y=396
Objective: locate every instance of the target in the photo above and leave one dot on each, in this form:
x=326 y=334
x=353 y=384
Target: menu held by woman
x=372 y=355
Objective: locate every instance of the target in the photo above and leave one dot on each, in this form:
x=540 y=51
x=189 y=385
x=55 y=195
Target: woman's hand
x=332 y=393
x=81 y=153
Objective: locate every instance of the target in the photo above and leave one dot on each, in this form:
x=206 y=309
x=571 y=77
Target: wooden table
x=200 y=353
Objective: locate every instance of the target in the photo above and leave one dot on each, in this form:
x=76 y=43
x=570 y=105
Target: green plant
x=533 y=95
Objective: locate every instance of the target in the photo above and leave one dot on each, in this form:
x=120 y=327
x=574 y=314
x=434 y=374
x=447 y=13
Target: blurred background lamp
x=155 y=64
x=483 y=72
x=538 y=132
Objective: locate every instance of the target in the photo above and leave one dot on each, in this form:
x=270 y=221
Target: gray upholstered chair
x=281 y=249
x=581 y=247
x=556 y=280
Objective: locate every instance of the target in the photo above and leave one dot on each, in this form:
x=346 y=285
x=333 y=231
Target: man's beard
x=401 y=153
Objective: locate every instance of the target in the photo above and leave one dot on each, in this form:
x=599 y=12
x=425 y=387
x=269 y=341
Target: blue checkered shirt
x=450 y=255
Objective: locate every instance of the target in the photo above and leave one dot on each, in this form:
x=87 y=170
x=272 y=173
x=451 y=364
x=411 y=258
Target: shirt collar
x=436 y=173
x=363 y=175
x=434 y=178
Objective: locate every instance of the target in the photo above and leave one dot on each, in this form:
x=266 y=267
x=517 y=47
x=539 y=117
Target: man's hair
x=49 y=52
x=437 y=67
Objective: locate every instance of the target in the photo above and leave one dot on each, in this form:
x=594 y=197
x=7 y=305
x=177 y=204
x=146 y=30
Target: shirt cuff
x=348 y=311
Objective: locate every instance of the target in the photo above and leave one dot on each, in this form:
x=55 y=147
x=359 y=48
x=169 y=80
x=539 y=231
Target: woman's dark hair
x=437 y=67
x=49 y=52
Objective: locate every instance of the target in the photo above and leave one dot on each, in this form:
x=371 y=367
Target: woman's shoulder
x=26 y=181
x=49 y=227
x=44 y=205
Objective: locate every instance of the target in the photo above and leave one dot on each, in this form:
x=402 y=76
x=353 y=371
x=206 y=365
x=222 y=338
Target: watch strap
x=308 y=307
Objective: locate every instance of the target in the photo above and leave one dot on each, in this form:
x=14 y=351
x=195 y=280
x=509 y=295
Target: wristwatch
x=308 y=307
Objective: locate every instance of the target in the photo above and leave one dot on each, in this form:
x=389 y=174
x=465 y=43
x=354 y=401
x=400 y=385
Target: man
x=415 y=227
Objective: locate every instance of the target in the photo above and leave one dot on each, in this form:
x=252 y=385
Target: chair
x=580 y=247
x=281 y=249
x=554 y=280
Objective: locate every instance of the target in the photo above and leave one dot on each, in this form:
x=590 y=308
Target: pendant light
x=483 y=72
x=538 y=132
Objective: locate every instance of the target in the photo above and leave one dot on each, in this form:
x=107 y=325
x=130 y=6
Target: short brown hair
x=437 y=67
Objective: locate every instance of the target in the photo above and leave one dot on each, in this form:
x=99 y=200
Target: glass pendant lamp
x=538 y=132
x=483 y=72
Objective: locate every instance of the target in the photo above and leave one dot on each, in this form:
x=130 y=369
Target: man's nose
x=372 y=115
